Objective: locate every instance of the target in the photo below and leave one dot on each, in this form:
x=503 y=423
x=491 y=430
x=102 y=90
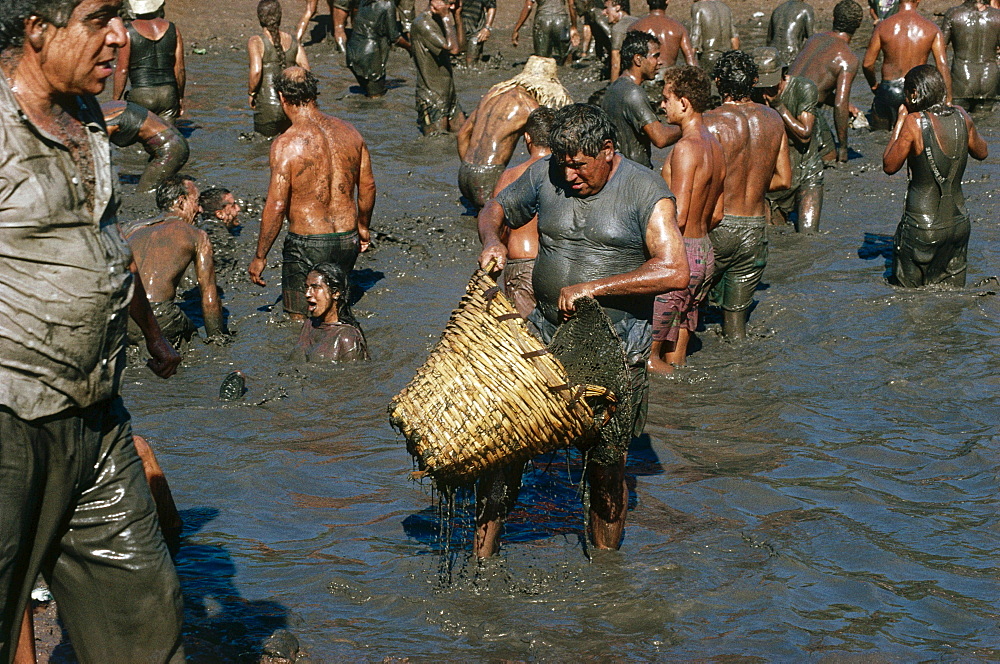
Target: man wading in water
x=608 y=230
x=316 y=168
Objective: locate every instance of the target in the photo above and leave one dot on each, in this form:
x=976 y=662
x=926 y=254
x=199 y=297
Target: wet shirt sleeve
x=432 y=38
x=637 y=109
x=519 y=199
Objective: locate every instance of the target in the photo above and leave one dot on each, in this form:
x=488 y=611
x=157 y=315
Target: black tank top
x=934 y=196
x=151 y=62
x=271 y=67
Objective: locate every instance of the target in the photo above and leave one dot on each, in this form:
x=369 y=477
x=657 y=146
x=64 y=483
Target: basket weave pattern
x=478 y=403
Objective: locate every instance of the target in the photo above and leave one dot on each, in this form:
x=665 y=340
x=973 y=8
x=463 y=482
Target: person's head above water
x=269 y=14
x=735 y=75
x=539 y=126
x=640 y=54
x=685 y=84
x=178 y=194
x=219 y=203
x=924 y=90
x=847 y=16
x=583 y=145
x=297 y=86
x=327 y=294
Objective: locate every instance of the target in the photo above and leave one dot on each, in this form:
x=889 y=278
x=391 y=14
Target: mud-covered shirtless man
x=753 y=138
x=712 y=31
x=904 y=40
x=695 y=172
x=828 y=61
x=792 y=23
x=487 y=139
x=163 y=248
x=973 y=30
x=673 y=37
x=322 y=182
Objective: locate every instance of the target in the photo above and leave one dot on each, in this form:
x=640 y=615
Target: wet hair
x=212 y=200
x=298 y=86
x=636 y=43
x=13 y=14
x=580 y=128
x=657 y=4
x=539 y=125
x=923 y=90
x=170 y=190
x=335 y=278
x=624 y=5
x=847 y=16
x=269 y=15
x=735 y=74
x=689 y=83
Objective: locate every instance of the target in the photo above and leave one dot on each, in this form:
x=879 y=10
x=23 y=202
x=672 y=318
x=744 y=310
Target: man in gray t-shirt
x=626 y=103
x=617 y=13
x=608 y=230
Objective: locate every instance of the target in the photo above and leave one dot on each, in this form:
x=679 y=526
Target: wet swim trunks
x=301 y=252
x=517 y=286
x=476 y=181
x=177 y=328
x=550 y=36
x=740 y=245
x=888 y=97
x=679 y=309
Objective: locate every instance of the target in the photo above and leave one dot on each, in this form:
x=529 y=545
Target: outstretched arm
x=842 y=108
x=255 y=49
x=782 y=178
x=204 y=268
x=275 y=209
x=180 y=71
x=689 y=55
x=366 y=198
x=661 y=135
x=490 y=223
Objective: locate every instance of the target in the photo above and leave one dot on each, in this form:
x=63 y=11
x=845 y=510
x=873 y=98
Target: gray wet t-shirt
x=586 y=238
x=434 y=80
x=629 y=109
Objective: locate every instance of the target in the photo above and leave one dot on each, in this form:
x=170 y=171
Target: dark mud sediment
x=827 y=487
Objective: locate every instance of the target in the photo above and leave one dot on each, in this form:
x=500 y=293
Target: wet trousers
x=160 y=99
x=476 y=181
x=76 y=507
x=925 y=256
x=740 y=245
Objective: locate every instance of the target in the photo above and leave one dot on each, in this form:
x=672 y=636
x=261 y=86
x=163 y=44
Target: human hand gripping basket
x=490 y=394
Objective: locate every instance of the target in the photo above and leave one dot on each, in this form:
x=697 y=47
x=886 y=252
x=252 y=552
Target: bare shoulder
x=345 y=131
x=255 y=43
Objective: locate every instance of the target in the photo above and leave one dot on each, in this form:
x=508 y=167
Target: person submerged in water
x=331 y=333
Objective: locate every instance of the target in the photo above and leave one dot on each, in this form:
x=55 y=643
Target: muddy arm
x=366 y=198
x=940 y=50
x=211 y=305
x=275 y=210
x=163 y=359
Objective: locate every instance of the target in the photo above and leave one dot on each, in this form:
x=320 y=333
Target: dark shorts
x=177 y=328
x=637 y=336
x=76 y=507
x=517 y=284
x=432 y=111
x=679 y=309
x=302 y=252
x=974 y=81
x=160 y=99
x=476 y=182
x=740 y=245
x=925 y=256
x=550 y=36
x=885 y=105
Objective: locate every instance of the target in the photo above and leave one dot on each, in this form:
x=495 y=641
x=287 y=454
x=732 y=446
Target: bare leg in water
x=496 y=493
x=608 y=504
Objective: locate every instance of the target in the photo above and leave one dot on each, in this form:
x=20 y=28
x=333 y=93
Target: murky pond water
x=825 y=489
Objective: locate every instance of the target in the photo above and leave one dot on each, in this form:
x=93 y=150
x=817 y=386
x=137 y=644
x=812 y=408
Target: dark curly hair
x=539 y=125
x=657 y=4
x=212 y=200
x=170 y=190
x=13 y=14
x=691 y=83
x=335 y=278
x=735 y=74
x=636 y=43
x=580 y=128
x=847 y=16
x=297 y=86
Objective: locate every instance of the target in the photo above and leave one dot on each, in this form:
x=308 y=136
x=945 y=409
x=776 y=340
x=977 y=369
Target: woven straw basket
x=490 y=394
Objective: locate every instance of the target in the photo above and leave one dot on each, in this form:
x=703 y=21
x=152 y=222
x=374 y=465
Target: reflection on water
x=825 y=489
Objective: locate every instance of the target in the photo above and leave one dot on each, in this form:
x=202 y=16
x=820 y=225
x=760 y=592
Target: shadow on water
x=876 y=245
x=219 y=624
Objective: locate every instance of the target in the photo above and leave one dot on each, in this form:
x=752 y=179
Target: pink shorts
x=679 y=309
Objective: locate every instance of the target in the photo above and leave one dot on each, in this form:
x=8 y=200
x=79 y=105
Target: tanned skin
x=490 y=134
x=574 y=36
x=338 y=16
x=613 y=12
x=696 y=172
x=154 y=29
x=673 y=37
x=643 y=69
x=905 y=40
x=907 y=139
x=317 y=167
x=163 y=251
x=666 y=269
x=255 y=47
x=828 y=61
x=756 y=146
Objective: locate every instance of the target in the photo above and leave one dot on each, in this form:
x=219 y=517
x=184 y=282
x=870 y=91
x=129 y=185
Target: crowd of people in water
x=586 y=215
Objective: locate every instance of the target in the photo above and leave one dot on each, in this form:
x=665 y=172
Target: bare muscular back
x=321 y=161
x=906 y=40
x=696 y=172
x=753 y=137
x=673 y=38
x=163 y=251
x=495 y=126
x=822 y=60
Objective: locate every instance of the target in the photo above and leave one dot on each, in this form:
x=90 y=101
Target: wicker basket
x=490 y=394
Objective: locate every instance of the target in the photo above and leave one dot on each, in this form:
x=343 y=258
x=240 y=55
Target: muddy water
x=827 y=488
